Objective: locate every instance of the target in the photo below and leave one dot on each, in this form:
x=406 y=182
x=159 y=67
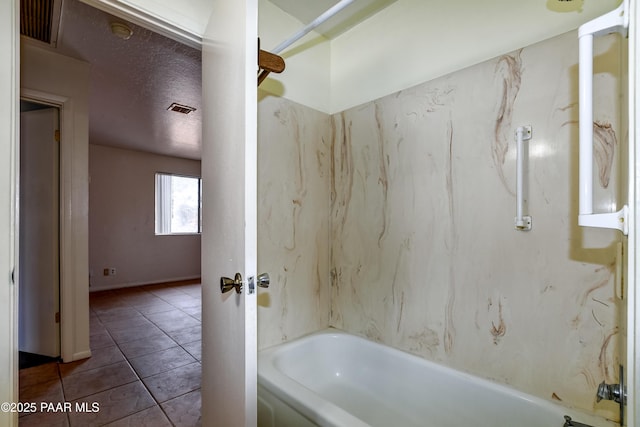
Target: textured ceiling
x=133 y=82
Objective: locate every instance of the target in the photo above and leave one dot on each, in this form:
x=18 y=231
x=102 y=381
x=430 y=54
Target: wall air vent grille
x=39 y=20
x=179 y=108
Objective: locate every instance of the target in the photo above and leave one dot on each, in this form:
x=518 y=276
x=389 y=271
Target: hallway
x=145 y=369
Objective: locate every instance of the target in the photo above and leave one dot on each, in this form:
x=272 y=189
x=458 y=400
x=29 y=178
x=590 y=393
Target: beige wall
x=122 y=221
x=293 y=219
x=425 y=256
x=66 y=81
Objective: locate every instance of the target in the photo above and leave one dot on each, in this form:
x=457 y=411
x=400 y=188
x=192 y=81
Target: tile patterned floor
x=145 y=365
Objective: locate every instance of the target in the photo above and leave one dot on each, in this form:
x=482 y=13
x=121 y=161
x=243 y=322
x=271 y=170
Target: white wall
x=67 y=80
x=413 y=41
x=9 y=59
x=407 y=43
x=306 y=77
x=122 y=221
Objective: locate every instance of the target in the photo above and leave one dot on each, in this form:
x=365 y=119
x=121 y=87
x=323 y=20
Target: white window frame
x=163 y=207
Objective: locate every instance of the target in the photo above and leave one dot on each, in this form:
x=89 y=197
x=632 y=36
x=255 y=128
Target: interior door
x=9 y=89
x=229 y=344
x=39 y=283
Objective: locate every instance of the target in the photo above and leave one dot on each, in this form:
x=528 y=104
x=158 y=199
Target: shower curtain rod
x=311 y=25
x=271 y=62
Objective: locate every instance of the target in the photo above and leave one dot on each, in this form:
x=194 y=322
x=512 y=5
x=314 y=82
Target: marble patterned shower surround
x=424 y=254
x=294 y=166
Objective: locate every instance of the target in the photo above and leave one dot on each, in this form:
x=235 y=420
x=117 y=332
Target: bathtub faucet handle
x=613 y=392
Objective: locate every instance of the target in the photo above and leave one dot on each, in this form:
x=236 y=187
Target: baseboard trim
x=80 y=355
x=143 y=283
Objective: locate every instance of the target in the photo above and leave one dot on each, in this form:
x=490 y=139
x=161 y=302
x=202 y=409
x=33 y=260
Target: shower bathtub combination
x=332 y=378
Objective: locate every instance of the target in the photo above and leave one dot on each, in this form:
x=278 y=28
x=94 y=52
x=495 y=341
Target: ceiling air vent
x=179 y=108
x=39 y=20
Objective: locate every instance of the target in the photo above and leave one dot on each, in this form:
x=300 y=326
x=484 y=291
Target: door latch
x=262 y=280
x=226 y=284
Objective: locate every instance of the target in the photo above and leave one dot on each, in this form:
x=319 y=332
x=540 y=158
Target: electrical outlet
x=112 y=271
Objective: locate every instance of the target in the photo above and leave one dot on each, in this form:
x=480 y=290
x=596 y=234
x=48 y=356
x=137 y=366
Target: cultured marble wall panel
x=294 y=166
x=424 y=254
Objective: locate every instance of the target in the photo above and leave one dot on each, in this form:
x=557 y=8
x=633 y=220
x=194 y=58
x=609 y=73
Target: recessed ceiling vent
x=39 y=20
x=179 y=108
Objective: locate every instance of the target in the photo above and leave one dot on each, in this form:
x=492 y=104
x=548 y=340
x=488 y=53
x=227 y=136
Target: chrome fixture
x=615 y=392
x=263 y=280
x=611 y=392
x=568 y=422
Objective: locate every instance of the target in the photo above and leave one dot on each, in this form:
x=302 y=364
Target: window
x=178 y=204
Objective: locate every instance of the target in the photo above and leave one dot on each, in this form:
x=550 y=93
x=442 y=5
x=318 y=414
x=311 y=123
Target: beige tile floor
x=145 y=365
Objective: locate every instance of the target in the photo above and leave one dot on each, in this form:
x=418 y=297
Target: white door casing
x=632 y=274
x=74 y=265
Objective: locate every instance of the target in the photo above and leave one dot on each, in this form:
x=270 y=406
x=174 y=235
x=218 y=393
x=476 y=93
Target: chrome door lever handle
x=226 y=284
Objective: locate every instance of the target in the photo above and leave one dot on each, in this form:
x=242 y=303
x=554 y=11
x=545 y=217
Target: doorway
x=39 y=234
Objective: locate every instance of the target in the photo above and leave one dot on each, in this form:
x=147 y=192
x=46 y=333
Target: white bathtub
x=332 y=378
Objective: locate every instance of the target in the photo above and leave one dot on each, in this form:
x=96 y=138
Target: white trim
x=67 y=260
x=13 y=254
x=142 y=283
x=251 y=216
x=632 y=413
x=149 y=21
x=9 y=159
x=81 y=355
